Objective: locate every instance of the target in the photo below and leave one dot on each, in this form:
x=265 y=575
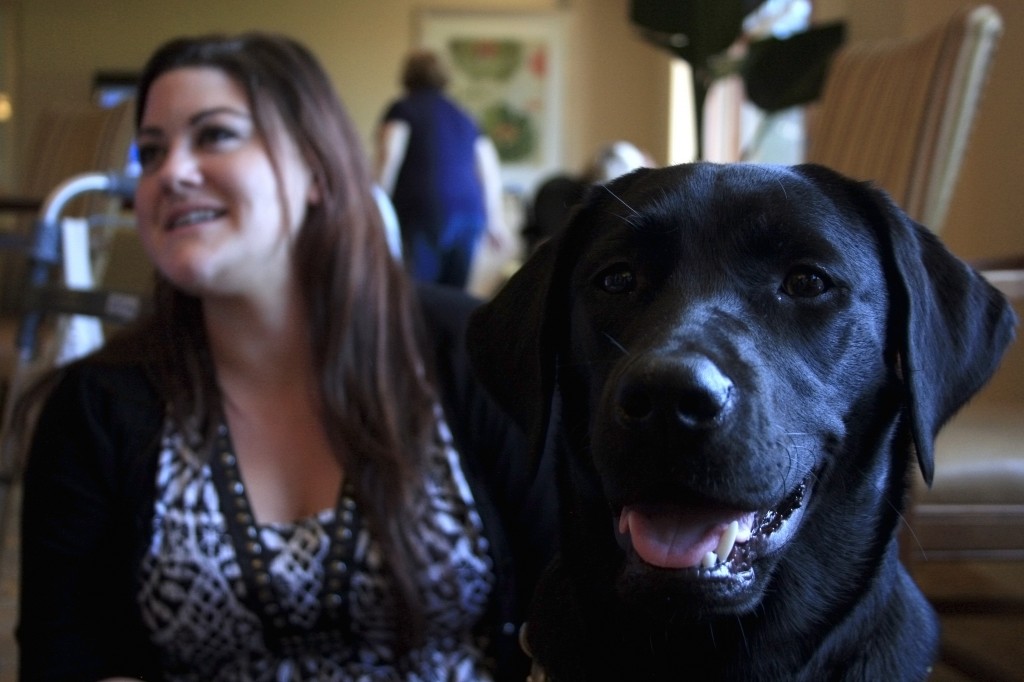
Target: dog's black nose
x=690 y=390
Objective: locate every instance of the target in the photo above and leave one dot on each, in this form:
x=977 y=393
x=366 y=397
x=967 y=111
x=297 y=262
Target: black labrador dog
x=735 y=365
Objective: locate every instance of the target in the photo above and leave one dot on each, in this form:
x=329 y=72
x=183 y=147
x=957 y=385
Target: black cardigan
x=89 y=489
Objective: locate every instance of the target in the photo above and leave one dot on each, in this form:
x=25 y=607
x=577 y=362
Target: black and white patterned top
x=227 y=599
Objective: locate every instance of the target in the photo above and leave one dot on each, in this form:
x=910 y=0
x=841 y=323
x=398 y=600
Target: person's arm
x=392 y=141
x=392 y=228
x=488 y=167
x=77 y=618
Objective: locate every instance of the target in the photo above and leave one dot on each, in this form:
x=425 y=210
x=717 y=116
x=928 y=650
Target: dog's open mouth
x=708 y=541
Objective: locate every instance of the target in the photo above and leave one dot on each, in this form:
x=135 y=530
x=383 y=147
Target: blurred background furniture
x=65 y=140
x=900 y=113
x=69 y=255
x=964 y=539
x=66 y=298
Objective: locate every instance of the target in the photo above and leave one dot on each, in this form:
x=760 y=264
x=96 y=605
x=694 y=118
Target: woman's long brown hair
x=375 y=383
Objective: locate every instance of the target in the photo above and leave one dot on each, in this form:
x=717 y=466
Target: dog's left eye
x=618 y=280
x=805 y=283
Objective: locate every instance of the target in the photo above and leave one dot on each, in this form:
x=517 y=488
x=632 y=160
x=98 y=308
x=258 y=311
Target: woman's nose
x=180 y=168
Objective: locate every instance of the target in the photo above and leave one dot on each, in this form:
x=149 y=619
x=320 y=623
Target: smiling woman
x=287 y=471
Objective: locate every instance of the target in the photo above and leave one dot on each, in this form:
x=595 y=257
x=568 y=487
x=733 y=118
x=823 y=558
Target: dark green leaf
x=781 y=73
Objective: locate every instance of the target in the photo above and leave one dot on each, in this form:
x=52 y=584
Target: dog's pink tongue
x=676 y=538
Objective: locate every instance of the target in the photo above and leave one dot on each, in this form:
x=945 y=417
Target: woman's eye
x=150 y=156
x=212 y=136
x=618 y=280
x=805 y=283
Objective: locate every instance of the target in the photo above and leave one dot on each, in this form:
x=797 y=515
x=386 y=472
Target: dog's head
x=726 y=341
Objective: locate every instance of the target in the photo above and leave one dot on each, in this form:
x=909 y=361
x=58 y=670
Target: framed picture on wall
x=507 y=70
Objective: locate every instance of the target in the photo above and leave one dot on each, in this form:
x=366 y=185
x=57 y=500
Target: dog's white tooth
x=728 y=539
x=710 y=559
x=624 y=522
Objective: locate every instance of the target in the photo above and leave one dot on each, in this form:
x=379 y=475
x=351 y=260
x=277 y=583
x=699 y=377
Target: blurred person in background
x=442 y=174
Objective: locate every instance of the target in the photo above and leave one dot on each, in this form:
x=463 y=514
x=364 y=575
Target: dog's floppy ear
x=951 y=326
x=514 y=338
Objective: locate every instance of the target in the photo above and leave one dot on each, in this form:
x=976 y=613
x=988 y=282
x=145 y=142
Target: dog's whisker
x=785 y=484
x=784 y=193
x=615 y=343
x=620 y=200
x=631 y=221
x=903 y=520
x=743 y=634
x=905 y=523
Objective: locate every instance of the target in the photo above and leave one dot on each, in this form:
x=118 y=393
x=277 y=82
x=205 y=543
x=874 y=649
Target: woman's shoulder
x=114 y=376
x=101 y=413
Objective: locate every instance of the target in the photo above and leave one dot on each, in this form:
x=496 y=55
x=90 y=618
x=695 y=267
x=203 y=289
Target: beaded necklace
x=259 y=596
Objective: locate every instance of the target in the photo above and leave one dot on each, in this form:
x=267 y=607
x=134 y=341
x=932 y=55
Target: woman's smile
x=193 y=216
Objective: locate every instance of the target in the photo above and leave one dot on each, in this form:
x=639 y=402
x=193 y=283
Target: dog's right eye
x=618 y=280
x=805 y=283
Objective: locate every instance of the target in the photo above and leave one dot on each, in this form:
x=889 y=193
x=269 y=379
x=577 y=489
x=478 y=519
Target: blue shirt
x=438 y=177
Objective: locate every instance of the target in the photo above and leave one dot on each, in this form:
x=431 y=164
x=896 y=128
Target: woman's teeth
x=194 y=217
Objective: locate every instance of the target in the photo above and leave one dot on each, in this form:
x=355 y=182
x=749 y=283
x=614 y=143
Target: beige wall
x=615 y=82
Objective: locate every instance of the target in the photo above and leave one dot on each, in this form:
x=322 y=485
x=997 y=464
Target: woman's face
x=212 y=215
